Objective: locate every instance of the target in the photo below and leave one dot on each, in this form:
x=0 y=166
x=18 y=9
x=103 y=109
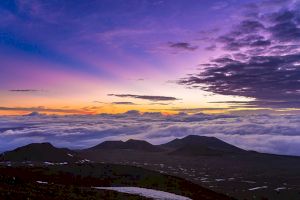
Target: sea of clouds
x=279 y=134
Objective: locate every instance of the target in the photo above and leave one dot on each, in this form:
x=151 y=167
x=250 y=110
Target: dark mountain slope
x=217 y=165
x=194 y=145
x=40 y=152
x=82 y=177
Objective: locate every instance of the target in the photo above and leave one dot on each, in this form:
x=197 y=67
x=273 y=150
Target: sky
x=90 y=57
x=93 y=70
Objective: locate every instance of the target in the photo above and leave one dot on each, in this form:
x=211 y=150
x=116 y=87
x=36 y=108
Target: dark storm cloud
x=262 y=61
x=285 y=25
x=248 y=26
x=286 y=31
x=247 y=29
x=262 y=77
x=263 y=103
x=284 y=49
x=284 y=16
x=223 y=60
x=235 y=43
x=282 y=26
x=145 y=97
x=183 y=46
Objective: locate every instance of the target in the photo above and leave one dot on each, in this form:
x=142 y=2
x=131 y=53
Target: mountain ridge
x=130 y=144
x=193 y=145
x=190 y=146
x=40 y=152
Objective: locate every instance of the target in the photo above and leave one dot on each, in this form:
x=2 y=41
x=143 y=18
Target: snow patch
x=62 y=163
x=280 y=188
x=42 y=182
x=84 y=161
x=149 y=193
x=251 y=182
x=56 y=163
x=48 y=163
x=257 y=188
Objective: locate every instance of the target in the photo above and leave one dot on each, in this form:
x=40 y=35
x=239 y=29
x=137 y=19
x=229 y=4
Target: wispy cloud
x=123 y=103
x=116 y=103
x=145 y=97
x=183 y=46
x=197 y=110
x=24 y=90
x=101 y=102
x=160 y=103
x=43 y=109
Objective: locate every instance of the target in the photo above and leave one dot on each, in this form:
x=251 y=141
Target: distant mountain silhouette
x=194 y=145
x=131 y=144
x=40 y=152
x=33 y=114
x=191 y=145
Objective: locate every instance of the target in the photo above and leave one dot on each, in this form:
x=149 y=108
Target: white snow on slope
x=280 y=188
x=150 y=193
x=257 y=188
x=42 y=182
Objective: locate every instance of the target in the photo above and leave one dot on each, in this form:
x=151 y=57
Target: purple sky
x=224 y=55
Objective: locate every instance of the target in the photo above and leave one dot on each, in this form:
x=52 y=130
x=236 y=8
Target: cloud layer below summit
x=266 y=133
